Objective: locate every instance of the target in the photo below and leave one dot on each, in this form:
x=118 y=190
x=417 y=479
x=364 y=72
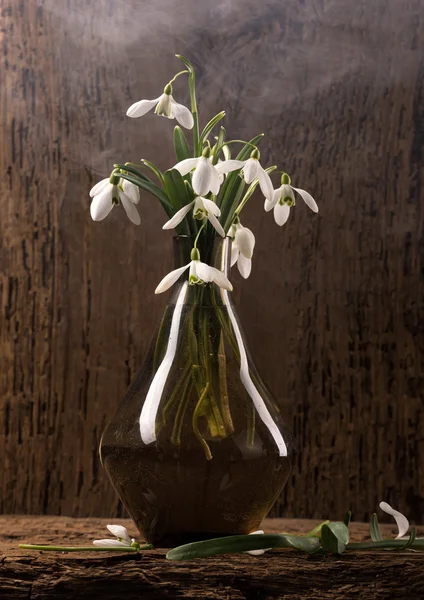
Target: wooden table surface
x=34 y=575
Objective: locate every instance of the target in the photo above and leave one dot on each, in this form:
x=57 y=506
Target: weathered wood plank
x=333 y=309
x=283 y=574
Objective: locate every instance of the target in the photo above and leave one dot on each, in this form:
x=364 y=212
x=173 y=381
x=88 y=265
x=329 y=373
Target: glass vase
x=198 y=448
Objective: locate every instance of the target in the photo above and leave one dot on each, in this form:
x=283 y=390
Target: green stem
x=198 y=234
x=240 y=142
x=417 y=544
x=251 y=420
x=192 y=88
x=178 y=424
x=174 y=396
x=223 y=390
x=196 y=429
x=84 y=548
x=177 y=75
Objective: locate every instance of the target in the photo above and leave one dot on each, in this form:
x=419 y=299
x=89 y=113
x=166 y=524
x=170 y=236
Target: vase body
x=198 y=448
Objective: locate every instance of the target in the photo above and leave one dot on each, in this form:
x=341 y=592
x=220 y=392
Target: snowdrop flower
x=121 y=533
x=257 y=552
x=253 y=170
x=165 y=107
x=202 y=209
x=401 y=521
x=242 y=248
x=206 y=176
x=283 y=200
x=200 y=273
x=111 y=191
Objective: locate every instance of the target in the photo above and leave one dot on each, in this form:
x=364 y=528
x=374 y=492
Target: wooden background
x=334 y=308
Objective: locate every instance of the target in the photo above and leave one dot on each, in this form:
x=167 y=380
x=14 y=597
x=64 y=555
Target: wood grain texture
x=33 y=575
x=334 y=308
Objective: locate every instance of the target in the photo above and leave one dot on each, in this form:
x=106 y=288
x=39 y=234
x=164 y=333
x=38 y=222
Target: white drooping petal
x=211 y=207
x=244 y=266
x=130 y=208
x=102 y=204
x=269 y=205
x=265 y=184
x=186 y=165
x=201 y=270
x=131 y=190
x=234 y=254
x=401 y=521
x=178 y=217
x=257 y=552
x=120 y=531
x=99 y=187
x=216 y=224
x=202 y=177
x=216 y=180
x=207 y=274
x=309 y=201
x=109 y=542
x=245 y=241
x=250 y=170
x=164 y=107
x=220 y=279
x=170 y=279
x=182 y=114
x=138 y=109
x=226 y=166
x=281 y=213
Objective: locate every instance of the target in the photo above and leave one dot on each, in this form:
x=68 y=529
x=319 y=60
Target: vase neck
x=218 y=256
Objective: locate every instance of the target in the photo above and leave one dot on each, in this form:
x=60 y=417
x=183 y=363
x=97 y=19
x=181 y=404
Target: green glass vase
x=197 y=448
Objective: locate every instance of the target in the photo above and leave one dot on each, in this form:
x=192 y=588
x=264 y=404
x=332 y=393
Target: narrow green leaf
x=152 y=188
x=242 y=543
x=230 y=185
x=209 y=126
x=218 y=146
x=387 y=544
x=316 y=531
x=154 y=169
x=134 y=171
x=181 y=147
x=347 y=518
x=334 y=537
x=185 y=60
x=178 y=191
x=411 y=539
x=246 y=151
x=375 y=529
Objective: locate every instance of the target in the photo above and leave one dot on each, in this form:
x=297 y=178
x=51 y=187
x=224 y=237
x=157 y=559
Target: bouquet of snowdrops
x=204 y=193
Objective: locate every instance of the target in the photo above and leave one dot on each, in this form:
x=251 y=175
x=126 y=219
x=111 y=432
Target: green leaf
x=152 y=188
x=187 y=63
x=316 y=531
x=347 y=518
x=154 y=169
x=181 y=147
x=375 y=529
x=334 y=537
x=411 y=539
x=178 y=191
x=246 y=151
x=134 y=171
x=230 y=185
x=208 y=128
x=218 y=146
x=176 y=188
x=242 y=543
